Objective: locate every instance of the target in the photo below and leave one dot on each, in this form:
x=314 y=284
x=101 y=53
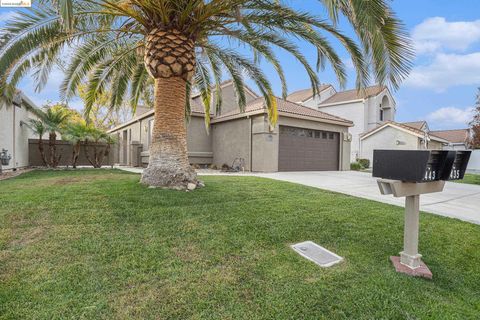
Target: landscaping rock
x=200 y=184
x=191 y=186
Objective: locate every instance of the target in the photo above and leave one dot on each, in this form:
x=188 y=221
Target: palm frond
x=102 y=37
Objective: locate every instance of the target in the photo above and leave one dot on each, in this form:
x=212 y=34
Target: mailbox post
x=410 y=173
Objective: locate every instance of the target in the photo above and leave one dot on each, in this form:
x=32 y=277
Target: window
x=330 y=135
x=324 y=135
x=317 y=134
x=381 y=113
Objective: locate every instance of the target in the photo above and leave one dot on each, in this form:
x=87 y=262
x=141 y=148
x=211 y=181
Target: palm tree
x=96 y=138
x=39 y=129
x=76 y=133
x=54 y=119
x=189 y=44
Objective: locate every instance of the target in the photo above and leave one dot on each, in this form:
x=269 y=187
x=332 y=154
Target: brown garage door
x=307 y=150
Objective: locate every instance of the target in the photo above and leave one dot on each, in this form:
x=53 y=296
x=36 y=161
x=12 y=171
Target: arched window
x=385 y=112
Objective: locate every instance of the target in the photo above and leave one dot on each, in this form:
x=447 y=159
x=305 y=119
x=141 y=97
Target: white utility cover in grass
x=318 y=254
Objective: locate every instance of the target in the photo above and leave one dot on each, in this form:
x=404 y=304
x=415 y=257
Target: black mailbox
x=420 y=165
x=459 y=165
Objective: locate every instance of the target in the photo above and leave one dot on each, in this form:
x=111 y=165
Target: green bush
x=365 y=163
x=355 y=166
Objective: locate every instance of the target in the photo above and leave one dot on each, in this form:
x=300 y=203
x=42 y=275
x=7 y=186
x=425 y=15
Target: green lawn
x=97 y=245
x=470 y=179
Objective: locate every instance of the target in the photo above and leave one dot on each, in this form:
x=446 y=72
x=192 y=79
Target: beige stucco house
x=405 y=136
x=367 y=108
x=14 y=134
x=303 y=138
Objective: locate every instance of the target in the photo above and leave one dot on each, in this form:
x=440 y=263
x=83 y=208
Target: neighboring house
x=405 y=136
x=367 y=108
x=14 y=134
x=458 y=139
x=303 y=139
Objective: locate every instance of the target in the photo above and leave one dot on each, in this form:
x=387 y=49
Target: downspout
x=251 y=146
x=14 y=153
x=341 y=137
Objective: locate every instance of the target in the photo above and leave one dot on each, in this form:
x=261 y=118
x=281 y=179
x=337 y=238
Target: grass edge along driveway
x=94 y=244
x=470 y=178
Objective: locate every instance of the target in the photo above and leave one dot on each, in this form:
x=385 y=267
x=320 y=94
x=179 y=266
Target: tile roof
x=257 y=104
x=285 y=106
x=453 y=136
x=305 y=94
x=415 y=124
x=354 y=94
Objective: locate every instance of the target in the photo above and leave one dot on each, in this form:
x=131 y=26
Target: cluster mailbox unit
x=409 y=173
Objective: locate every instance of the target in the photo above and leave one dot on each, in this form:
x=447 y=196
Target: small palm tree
x=54 y=119
x=100 y=142
x=39 y=130
x=182 y=44
x=76 y=133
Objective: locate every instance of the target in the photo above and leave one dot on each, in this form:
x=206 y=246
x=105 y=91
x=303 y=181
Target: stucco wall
x=355 y=112
x=264 y=145
x=373 y=110
x=15 y=142
x=460 y=146
x=314 y=102
x=229 y=101
x=387 y=139
x=231 y=140
x=435 y=145
x=199 y=143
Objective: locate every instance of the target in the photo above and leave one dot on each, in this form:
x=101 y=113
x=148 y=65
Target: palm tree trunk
x=53 y=149
x=95 y=155
x=87 y=154
x=168 y=166
x=41 y=149
x=76 y=153
x=103 y=153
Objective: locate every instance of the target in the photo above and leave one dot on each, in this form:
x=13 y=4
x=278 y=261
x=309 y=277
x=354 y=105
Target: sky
x=441 y=87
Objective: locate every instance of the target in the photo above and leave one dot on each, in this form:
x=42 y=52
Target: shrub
x=355 y=166
x=226 y=167
x=365 y=163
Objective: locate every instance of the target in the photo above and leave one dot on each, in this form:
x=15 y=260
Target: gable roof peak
x=354 y=94
x=303 y=95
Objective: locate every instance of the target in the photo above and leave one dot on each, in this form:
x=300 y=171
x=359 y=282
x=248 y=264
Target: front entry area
x=308 y=150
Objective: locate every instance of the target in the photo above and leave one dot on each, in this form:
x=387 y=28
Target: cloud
x=450 y=117
x=437 y=34
x=447 y=70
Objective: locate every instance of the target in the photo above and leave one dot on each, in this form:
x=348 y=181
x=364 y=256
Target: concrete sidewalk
x=458 y=200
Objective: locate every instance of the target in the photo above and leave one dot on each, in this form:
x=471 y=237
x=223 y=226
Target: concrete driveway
x=458 y=200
